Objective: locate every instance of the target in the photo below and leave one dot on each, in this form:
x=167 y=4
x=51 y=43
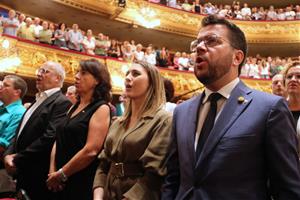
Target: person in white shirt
x=138 y=53
x=271 y=14
x=289 y=13
x=246 y=12
x=36 y=26
x=150 y=56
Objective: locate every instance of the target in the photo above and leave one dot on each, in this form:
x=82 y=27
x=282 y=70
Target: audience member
x=13 y=90
x=150 y=56
x=169 y=91
x=10 y=24
x=45 y=34
x=36 y=26
x=71 y=94
x=277 y=86
x=27 y=157
x=60 y=35
x=138 y=54
x=27 y=31
x=81 y=136
x=132 y=161
x=89 y=43
x=75 y=38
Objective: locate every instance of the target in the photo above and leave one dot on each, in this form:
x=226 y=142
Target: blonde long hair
x=155 y=96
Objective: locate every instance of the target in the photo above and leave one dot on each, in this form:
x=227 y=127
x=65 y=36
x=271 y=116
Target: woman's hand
x=54 y=182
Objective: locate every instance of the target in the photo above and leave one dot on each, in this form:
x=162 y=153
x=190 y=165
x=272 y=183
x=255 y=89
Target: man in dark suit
x=230 y=142
x=29 y=154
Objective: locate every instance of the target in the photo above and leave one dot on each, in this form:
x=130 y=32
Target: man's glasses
x=290 y=76
x=209 y=41
x=42 y=71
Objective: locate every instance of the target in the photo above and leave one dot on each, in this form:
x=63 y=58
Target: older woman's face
x=136 y=82
x=292 y=80
x=84 y=82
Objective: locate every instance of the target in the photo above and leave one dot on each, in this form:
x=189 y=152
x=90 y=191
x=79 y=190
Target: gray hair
x=58 y=68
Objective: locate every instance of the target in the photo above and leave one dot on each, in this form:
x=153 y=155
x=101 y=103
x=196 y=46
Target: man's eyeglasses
x=209 y=41
x=290 y=76
x=42 y=71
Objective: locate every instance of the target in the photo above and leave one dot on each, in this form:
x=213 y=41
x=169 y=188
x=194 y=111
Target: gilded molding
x=187 y=24
x=32 y=55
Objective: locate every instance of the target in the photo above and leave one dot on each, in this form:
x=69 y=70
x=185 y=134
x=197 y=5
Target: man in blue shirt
x=11 y=112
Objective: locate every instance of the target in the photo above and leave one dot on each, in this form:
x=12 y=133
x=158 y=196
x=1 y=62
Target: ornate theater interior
x=146 y=23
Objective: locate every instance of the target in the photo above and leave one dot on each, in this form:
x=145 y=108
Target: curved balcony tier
x=23 y=57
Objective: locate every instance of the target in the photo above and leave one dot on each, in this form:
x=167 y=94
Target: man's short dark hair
x=19 y=84
x=236 y=38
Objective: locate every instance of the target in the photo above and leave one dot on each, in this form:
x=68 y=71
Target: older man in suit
x=29 y=154
x=231 y=142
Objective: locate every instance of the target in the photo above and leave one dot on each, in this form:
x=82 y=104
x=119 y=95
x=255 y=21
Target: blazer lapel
x=192 y=117
x=38 y=110
x=231 y=111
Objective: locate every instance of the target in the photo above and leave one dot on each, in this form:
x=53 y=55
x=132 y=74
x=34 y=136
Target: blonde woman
x=132 y=161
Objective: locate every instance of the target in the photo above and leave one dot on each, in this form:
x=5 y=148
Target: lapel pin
x=241 y=99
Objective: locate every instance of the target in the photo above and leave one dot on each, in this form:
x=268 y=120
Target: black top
x=296 y=115
x=71 y=138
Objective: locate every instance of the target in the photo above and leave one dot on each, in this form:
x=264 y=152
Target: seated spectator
x=89 y=43
x=75 y=38
x=45 y=34
x=36 y=26
x=10 y=24
x=191 y=62
x=27 y=31
x=271 y=14
x=127 y=52
x=114 y=49
x=101 y=45
x=13 y=90
x=60 y=36
x=289 y=13
x=138 y=53
x=150 y=56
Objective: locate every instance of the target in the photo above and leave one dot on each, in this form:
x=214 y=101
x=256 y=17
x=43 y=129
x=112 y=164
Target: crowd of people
x=76 y=39
x=236 y=10
x=229 y=142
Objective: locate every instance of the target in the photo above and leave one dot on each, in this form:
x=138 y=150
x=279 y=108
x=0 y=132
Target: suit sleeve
x=171 y=183
x=282 y=156
x=153 y=160
x=43 y=144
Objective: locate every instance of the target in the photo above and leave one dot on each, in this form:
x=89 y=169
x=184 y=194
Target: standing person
x=81 y=137
x=132 y=161
x=71 y=94
x=230 y=142
x=10 y=24
x=292 y=85
x=278 y=87
x=11 y=94
x=28 y=155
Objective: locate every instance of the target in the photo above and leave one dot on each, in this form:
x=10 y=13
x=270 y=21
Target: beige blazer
x=146 y=144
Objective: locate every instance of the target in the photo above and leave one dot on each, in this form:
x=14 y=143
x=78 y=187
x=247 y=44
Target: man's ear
x=238 y=57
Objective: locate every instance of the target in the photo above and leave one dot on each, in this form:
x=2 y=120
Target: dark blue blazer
x=250 y=154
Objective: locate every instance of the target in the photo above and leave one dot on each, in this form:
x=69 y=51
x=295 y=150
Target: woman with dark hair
x=60 y=36
x=80 y=139
x=132 y=163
